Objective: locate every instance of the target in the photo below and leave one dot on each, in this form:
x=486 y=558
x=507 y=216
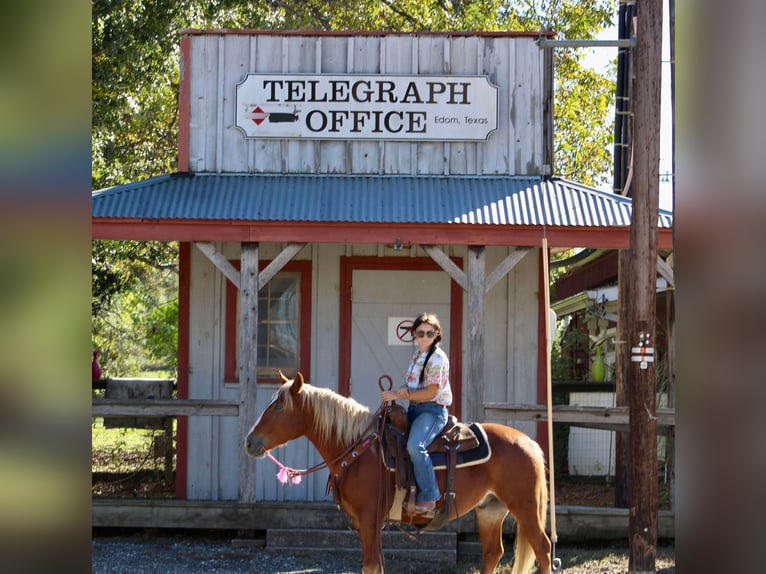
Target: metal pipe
x=621 y=43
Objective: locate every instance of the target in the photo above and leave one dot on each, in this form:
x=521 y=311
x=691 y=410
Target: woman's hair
x=433 y=320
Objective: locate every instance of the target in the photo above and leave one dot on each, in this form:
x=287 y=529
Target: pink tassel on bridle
x=285 y=473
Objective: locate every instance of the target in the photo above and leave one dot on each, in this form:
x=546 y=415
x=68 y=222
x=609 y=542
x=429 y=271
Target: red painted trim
x=542 y=367
x=356 y=33
x=231 y=375
x=590 y=275
x=348 y=265
x=344 y=324
x=184 y=105
x=184 y=309
x=456 y=344
x=366 y=233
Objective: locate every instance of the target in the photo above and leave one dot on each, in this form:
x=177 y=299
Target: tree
x=135 y=305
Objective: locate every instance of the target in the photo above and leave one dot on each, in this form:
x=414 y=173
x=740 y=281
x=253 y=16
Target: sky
x=598 y=59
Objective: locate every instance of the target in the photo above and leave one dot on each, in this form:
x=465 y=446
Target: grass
x=109 y=446
x=129 y=462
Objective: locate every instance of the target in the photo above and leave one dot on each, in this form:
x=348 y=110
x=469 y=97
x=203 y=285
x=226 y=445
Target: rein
x=351 y=453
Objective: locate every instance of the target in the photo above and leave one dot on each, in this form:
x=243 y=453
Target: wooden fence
x=585 y=523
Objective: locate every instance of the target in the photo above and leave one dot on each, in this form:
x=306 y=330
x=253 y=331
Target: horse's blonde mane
x=335 y=416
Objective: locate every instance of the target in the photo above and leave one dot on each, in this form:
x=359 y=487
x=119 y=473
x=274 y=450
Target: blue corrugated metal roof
x=366 y=199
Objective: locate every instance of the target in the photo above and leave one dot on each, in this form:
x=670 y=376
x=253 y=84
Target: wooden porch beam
x=459 y=276
x=449 y=266
x=224 y=265
x=276 y=264
x=504 y=267
x=666 y=271
x=219 y=260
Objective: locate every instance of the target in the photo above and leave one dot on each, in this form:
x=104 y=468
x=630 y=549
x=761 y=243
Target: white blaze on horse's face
x=257 y=422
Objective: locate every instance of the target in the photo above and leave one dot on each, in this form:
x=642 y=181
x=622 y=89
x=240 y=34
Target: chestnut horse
x=512 y=480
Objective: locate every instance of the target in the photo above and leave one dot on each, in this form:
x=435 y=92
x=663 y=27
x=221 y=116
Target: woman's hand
x=400 y=393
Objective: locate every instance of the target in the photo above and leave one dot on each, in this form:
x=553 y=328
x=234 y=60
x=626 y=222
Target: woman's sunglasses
x=421 y=334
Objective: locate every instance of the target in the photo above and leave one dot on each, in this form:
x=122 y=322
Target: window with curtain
x=283 y=325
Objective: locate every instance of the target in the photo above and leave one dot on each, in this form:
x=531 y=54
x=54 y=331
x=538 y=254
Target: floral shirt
x=437 y=373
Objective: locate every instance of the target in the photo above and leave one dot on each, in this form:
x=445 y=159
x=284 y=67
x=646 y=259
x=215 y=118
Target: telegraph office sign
x=442 y=108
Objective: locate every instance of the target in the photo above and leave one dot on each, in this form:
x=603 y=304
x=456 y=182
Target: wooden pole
x=549 y=392
x=640 y=332
x=248 y=361
x=622 y=166
x=475 y=367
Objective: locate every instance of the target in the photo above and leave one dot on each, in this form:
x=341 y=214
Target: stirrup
x=424 y=511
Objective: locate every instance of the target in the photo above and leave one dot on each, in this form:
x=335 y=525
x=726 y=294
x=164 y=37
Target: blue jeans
x=426 y=422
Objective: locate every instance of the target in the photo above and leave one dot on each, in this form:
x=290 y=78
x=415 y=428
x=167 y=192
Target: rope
x=555 y=562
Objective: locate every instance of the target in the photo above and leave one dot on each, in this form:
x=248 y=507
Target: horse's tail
x=523 y=554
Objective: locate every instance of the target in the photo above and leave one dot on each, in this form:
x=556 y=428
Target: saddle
x=455 y=435
x=458 y=444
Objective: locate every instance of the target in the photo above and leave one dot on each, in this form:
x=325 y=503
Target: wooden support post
x=475 y=363
x=642 y=375
x=248 y=361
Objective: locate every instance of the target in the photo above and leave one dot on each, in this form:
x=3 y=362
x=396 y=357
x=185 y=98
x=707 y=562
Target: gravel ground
x=152 y=553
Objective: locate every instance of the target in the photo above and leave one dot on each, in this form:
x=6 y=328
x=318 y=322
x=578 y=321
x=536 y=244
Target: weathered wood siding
x=220 y=61
x=214 y=441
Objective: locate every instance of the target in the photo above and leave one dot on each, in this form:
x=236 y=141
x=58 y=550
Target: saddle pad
x=476 y=455
x=471 y=457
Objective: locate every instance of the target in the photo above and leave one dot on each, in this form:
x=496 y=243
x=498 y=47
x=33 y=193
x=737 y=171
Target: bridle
x=370 y=436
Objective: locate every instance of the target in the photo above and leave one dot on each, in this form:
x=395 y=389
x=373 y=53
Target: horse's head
x=281 y=421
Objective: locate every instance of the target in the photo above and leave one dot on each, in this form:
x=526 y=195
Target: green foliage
x=135 y=306
x=135 y=72
x=161 y=328
x=584 y=153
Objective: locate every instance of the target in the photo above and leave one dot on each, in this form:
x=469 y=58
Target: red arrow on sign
x=258 y=115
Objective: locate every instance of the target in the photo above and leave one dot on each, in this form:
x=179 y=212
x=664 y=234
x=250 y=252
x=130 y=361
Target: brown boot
x=425 y=509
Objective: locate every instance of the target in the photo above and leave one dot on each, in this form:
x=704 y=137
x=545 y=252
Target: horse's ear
x=297 y=385
x=282 y=376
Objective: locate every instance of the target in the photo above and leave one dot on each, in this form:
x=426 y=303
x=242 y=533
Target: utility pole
x=641 y=312
x=623 y=137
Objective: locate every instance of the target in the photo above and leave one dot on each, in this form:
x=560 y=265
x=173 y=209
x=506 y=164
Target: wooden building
x=330 y=187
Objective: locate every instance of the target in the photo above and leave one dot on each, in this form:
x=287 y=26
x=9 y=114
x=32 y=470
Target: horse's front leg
x=370 y=535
